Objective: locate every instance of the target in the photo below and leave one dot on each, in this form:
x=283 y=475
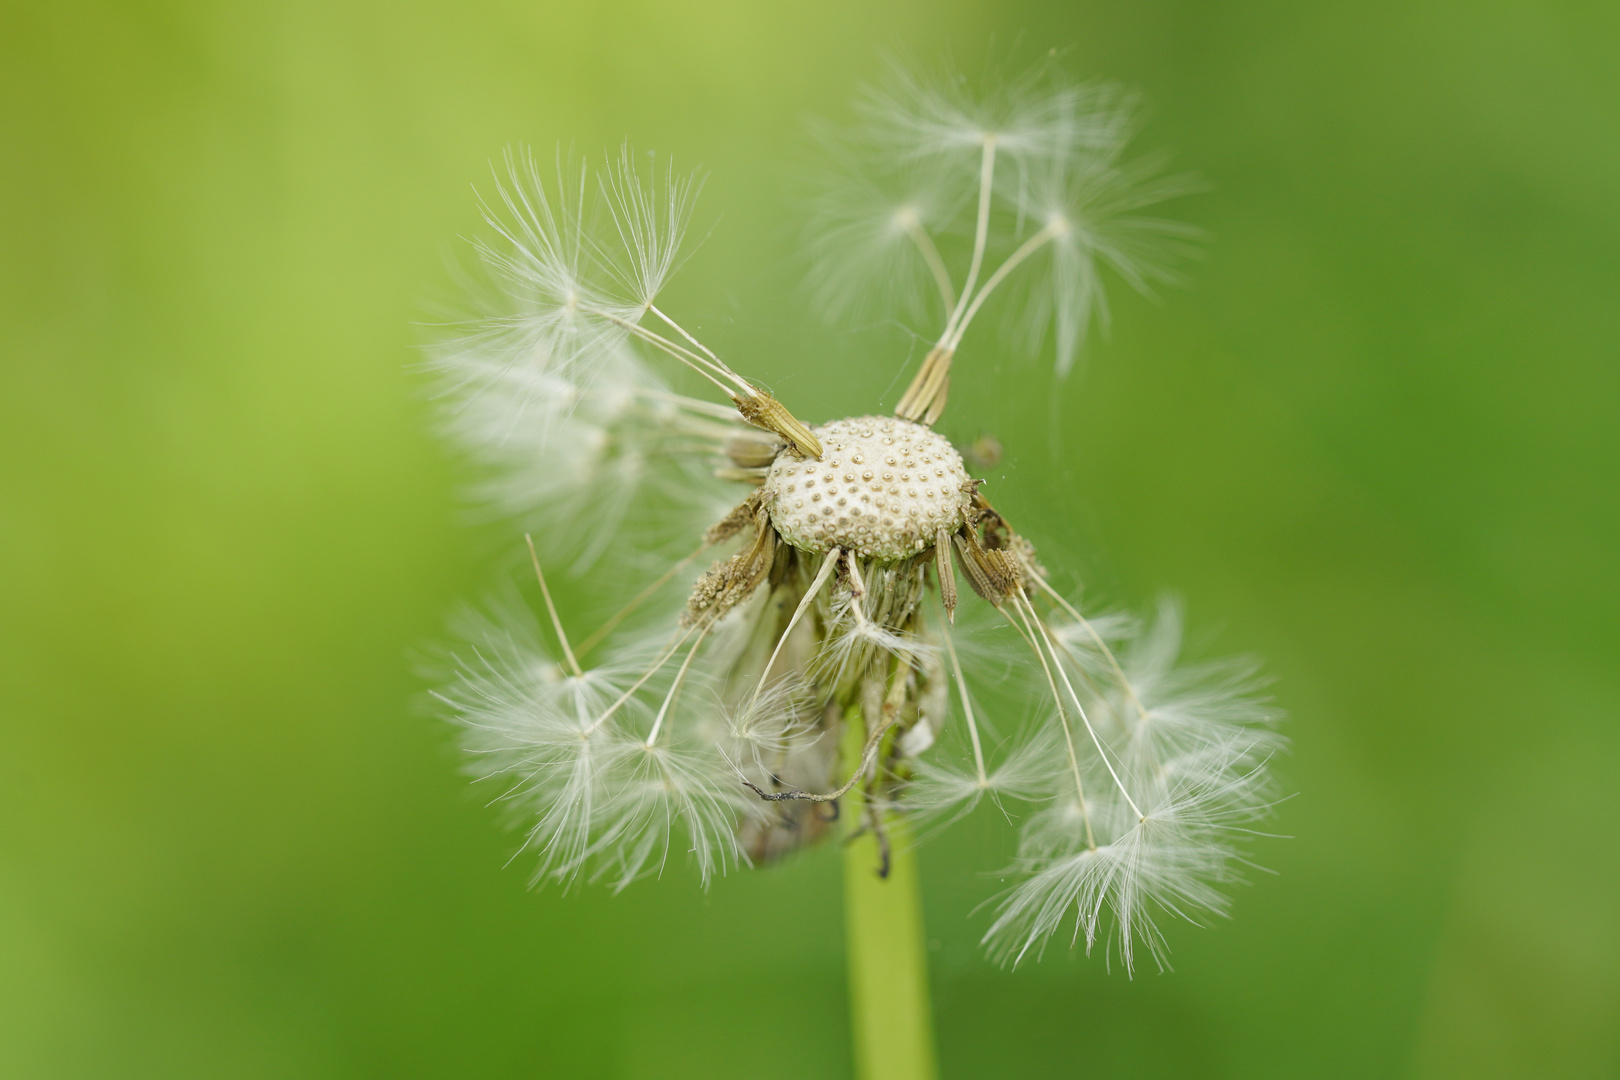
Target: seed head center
x=883 y=488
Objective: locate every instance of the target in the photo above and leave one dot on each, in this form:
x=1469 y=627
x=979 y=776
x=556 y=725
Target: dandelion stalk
x=891 y=1024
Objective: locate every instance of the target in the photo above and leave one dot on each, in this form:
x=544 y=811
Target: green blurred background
x=1374 y=443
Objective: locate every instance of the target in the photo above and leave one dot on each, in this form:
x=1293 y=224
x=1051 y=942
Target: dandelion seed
x=829 y=615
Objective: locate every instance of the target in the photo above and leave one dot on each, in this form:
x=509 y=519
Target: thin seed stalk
x=890 y=1020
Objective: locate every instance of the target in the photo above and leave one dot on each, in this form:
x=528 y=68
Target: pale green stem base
x=888 y=963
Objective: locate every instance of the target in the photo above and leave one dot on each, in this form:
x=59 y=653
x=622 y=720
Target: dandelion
x=818 y=664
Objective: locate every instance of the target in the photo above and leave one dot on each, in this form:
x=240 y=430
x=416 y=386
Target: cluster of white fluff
x=586 y=465
x=910 y=189
x=610 y=769
x=581 y=258
x=610 y=765
x=1167 y=778
x=578 y=438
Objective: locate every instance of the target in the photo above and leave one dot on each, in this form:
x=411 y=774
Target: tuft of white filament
x=1065 y=197
x=1157 y=819
x=570 y=758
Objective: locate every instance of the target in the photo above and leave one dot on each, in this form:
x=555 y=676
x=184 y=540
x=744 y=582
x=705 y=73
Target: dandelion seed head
x=839 y=593
x=883 y=489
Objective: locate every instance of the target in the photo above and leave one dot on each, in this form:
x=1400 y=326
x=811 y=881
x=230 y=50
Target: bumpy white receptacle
x=883 y=489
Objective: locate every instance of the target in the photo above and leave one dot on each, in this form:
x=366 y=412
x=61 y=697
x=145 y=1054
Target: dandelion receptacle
x=811 y=683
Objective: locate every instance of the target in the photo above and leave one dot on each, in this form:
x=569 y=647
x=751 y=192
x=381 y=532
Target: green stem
x=883 y=932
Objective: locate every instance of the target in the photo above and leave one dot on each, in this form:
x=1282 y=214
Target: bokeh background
x=1374 y=442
